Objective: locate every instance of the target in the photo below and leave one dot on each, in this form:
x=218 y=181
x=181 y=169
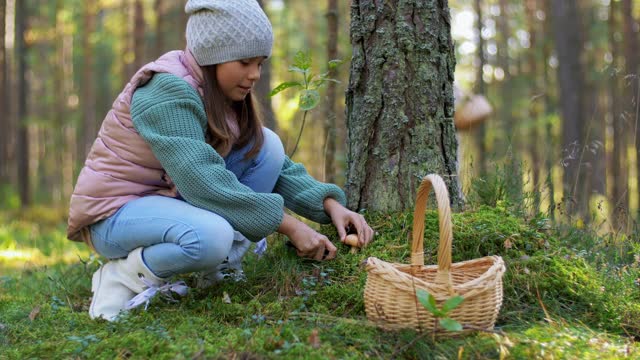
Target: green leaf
x=309 y=99
x=450 y=324
x=302 y=60
x=285 y=85
x=335 y=63
x=298 y=70
x=323 y=76
x=452 y=303
x=428 y=301
x=315 y=84
x=308 y=79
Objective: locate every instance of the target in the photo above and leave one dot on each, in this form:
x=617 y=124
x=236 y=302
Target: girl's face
x=236 y=78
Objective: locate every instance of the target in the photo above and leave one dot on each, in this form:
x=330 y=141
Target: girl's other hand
x=311 y=244
x=344 y=218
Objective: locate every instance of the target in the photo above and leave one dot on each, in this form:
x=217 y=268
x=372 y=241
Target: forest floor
x=568 y=293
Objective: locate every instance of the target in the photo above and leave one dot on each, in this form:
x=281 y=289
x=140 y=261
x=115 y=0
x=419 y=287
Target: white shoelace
x=178 y=287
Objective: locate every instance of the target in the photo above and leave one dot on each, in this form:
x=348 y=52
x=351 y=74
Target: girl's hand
x=311 y=244
x=344 y=218
x=308 y=242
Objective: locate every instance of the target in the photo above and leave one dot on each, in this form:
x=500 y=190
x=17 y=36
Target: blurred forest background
x=562 y=76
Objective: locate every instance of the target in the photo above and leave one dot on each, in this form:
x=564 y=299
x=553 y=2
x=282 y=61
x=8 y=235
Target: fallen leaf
x=34 y=313
x=508 y=244
x=225 y=298
x=314 y=339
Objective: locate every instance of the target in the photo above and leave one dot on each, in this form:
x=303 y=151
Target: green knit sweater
x=169 y=114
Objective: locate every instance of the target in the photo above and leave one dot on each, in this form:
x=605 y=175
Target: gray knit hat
x=225 y=30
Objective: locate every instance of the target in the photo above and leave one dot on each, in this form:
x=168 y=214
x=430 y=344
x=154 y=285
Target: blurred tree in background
x=562 y=76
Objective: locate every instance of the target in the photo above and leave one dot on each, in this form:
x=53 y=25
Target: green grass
x=567 y=294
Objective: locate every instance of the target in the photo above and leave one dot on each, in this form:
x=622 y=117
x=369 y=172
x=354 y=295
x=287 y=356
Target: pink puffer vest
x=120 y=166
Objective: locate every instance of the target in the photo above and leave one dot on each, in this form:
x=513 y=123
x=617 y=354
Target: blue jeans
x=178 y=237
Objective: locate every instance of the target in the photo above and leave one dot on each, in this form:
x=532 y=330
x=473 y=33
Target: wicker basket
x=473 y=112
x=390 y=292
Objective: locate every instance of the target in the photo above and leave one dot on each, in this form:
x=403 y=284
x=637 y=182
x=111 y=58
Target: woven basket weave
x=390 y=292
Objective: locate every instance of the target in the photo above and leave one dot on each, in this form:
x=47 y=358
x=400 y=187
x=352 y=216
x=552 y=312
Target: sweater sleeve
x=169 y=114
x=305 y=195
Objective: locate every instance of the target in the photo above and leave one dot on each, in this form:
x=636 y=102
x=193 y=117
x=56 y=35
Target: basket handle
x=444 y=216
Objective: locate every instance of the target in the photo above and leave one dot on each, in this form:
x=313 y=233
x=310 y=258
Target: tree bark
x=620 y=193
x=631 y=93
x=504 y=62
x=594 y=167
x=330 y=105
x=571 y=84
x=160 y=13
x=534 y=105
x=22 y=144
x=549 y=108
x=263 y=88
x=89 y=128
x=128 y=40
x=4 y=115
x=397 y=135
x=480 y=88
x=138 y=35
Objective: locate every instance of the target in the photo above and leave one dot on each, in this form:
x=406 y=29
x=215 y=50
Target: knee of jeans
x=272 y=148
x=208 y=244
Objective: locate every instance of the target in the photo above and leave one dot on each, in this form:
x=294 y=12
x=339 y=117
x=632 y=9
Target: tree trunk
x=128 y=38
x=330 y=105
x=89 y=128
x=263 y=88
x=480 y=88
x=53 y=162
x=503 y=62
x=620 y=194
x=22 y=144
x=138 y=35
x=631 y=93
x=160 y=13
x=515 y=144
x=571 y=84
x=534 y=105
x=4 y=115
x=549 y=108
x=594 y=167
x=396 y=134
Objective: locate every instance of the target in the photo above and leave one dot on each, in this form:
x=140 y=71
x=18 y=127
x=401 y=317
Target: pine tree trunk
x=128 y=39
x=503 y=62
x=4 y=115
x=138 y=35
x=620 y=194
x=549 y=108
x=160 y=13
x=631 y=93
x=480 y=88
x=263 y=88
x=54 y=160
x=330 y=105
x=22 y=144
x=594 y=167
x=399 y=102
x=534 y=106
x=571 y=84
x=89 y=128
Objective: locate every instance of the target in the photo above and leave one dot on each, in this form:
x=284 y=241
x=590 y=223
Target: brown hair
x=247 y=112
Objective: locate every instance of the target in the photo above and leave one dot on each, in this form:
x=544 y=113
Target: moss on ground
x=558 y=302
